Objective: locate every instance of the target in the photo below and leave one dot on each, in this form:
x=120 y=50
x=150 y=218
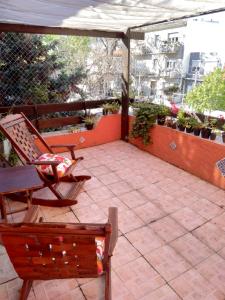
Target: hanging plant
x=145 y=119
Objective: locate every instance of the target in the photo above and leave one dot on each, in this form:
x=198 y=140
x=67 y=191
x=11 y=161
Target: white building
x=177 y=54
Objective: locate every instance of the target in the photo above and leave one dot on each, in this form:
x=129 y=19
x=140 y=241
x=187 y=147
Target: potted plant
x=196 y=125
x=212 y=125
x=163 y=111
x=181 y=120
x=105 y=108
x=170 y=122
x=90 y=121
x=144 y=121
x=214 y=134
x=114 y=108
x=188 y=125
x=206 y=129
x=191 y=123
x=223 y=133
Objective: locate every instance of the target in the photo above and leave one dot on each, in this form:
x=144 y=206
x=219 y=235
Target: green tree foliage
x=31 y=72
x=210 y=95
x=72 y=51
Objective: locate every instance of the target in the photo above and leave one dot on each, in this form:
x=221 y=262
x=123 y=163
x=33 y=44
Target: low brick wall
x=107 y=129
x=192 y=154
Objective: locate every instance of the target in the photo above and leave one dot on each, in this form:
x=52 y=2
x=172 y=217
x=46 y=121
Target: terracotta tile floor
x=171 y=231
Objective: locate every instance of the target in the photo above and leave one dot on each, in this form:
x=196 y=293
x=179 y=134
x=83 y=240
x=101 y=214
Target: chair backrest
x=55 y=250
x=21 y=133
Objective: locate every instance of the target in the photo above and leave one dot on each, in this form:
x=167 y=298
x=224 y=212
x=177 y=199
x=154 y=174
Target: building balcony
x=169 y=47
x=171 y=215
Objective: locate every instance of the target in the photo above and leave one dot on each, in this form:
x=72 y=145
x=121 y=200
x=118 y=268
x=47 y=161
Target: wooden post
x=125 y=87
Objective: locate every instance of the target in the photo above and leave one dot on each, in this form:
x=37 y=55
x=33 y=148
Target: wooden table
x=15 y=180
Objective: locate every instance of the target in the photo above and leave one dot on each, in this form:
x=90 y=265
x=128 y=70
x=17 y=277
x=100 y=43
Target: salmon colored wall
x=193 y=154
x=107 y=129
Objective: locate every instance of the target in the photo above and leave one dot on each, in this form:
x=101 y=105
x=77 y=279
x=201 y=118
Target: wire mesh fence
x=36 y=69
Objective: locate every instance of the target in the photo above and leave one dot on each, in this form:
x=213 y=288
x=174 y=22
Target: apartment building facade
x=175 y=58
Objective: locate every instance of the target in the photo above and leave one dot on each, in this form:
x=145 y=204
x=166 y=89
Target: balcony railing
x=169 y=47
x=37 y=112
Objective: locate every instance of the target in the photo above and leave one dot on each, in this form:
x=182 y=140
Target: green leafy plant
x=181 y=119
x=31 y=70
x=210 y=94
x=145 y=119
x=213 y=123
x=90 y=120
x=163 y=110
x=170 y=122
x=113 y=107
x=191 y=122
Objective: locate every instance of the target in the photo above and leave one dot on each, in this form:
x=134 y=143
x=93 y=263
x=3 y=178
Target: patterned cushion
x=61 y=168
x=100 y=246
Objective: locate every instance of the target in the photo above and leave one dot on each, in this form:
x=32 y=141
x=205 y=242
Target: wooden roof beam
x=6 y=27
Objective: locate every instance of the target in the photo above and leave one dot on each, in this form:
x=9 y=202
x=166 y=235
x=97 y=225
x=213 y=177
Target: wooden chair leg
x=108 y=291
x=27 y=284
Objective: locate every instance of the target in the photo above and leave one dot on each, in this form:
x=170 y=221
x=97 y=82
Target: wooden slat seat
x=47 y=251
x=22 y=135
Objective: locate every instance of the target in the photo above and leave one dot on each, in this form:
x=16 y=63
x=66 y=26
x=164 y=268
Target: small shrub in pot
x=206 y=129
x=105 y=108
x=163 y=111
x=171 y=122
x=90 y=121
x=181 y=120
x=223 y=133
x=114 y=108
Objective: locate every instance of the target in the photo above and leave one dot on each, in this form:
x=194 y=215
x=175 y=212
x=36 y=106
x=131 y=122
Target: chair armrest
x=32 y=214
x=53 y=164
x=113 y=220
x=70 y=147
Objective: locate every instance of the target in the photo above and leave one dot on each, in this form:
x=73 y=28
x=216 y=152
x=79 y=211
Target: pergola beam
x=6 y=27
x=212 y=11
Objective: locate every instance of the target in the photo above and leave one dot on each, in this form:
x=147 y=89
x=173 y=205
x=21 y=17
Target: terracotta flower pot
x=212 y=136
x=105 y=112
x=223 y=137
x=197 y=131
x=89 y=126
x=174 y=126
x=189 y=130
x=161 y=120
x=205 y=133
x=181 y=127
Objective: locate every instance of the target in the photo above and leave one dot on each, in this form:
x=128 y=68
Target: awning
x=111 y=15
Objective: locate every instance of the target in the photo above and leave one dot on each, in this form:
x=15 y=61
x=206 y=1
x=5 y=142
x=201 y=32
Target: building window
x=156 y=40
x=155 y=61
x=171 y=64
x=173 y=37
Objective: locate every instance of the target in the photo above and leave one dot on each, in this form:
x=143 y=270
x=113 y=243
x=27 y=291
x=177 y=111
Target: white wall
x=202 y=36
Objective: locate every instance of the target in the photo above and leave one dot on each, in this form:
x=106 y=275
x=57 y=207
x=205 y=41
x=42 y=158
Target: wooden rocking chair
x=22 y=134
x=47 y=251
